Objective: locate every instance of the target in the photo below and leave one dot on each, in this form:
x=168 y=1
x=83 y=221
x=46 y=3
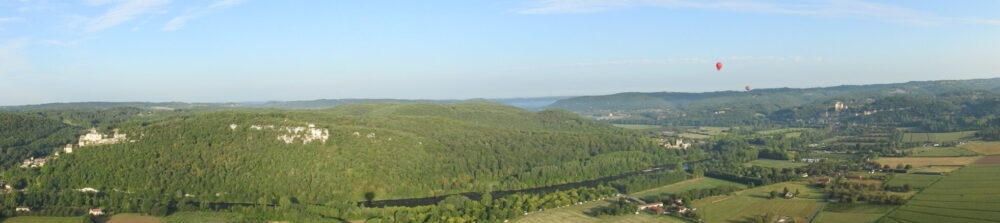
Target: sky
x=255 y=50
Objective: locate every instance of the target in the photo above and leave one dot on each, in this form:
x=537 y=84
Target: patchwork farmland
x=966 y=195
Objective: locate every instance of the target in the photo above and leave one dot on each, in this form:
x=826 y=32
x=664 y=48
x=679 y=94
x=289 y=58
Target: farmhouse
x=96 y=212
x=656 y=210
x=789 y=195
x=650 y=205
x=810 y=160
x=88 y=190
x=22 y=209
x=68 y=149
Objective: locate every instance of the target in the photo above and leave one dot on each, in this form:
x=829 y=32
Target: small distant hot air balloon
x=718 y=65
x=748 y=88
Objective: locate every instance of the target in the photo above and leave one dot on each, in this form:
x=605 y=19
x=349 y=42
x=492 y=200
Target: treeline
x=851 y=192
x=646 y=181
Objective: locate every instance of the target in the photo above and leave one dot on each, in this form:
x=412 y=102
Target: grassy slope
x=698 y=183
x=937 y=137
x=748 y=203
x=578 y=214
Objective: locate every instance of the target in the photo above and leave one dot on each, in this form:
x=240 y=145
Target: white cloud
x=11 y=19
x=818 y=8
x=122 y=11
x=181 y=20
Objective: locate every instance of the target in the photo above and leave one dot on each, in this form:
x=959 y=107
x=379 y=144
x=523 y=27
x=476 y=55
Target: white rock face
x=305 y=134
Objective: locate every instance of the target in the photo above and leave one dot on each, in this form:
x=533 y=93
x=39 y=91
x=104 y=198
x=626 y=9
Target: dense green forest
x=389 y=150
x=25 y=135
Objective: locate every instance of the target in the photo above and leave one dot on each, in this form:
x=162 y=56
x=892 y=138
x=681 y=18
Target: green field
x=578 y=214
x=941 y=152
x=967 y=195
x=38 y=219
x=679 y=187
x=774 y=163
x=752 y=202
x=784 y=130
x=206 y=217
x=134 y=218
x=852 y=213
x=637 y=127
x=915 y=180
x=937 y=137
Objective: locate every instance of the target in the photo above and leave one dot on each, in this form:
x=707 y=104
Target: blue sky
x=254 y=50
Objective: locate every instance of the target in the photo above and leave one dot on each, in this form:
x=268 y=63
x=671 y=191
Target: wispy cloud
x=122 y=11
x=181 y=20
x=817 y=8
x=10 y=55
x=11 y=19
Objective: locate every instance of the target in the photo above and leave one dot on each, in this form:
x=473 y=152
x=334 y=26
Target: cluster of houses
x=676 y=205
x=678 y=144
x=40 y=162
x=96 y=138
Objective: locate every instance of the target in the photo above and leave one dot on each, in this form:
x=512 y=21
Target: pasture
x=133 y=218
x=780 y=164
x=914 y=180
x=940 y=152
x=206 y=217
x=578 y=214
x=41 y=219
x=927 y=161
x=679 y=187
x=967 y=195
x=852 y=213
x=753 y=202
x=937 y=137
x=985 y=148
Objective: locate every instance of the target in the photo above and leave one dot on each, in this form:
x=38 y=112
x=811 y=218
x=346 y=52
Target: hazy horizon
x=253 y=51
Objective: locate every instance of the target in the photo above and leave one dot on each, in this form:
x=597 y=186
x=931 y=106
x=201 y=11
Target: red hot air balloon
x=748 y=88
x=718 y=65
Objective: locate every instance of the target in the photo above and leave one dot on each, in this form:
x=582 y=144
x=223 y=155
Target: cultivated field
x=37 y=219
x=927 y=161
x=774 y=163
x=752 y=202
x=985 y=148
x=915 y=180
x=942 y=169
x=852 y=213
x=578 y=214
x=679 y=187
x=941 y=152
x=133 y=218
x=937 y=137
x=967 y=195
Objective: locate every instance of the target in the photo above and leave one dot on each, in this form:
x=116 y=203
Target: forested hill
x=535 y=103
x=393 y=150
x=26 y=135
x=750 y=107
